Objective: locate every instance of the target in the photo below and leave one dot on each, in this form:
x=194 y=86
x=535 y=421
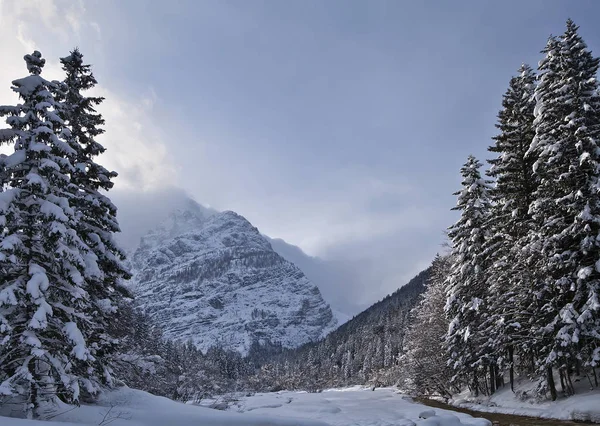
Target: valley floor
x=354 y=406
x=349 y=407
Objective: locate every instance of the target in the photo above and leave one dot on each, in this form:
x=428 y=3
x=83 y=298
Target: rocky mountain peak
x=212 y=278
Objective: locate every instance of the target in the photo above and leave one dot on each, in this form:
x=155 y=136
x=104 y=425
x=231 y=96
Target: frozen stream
x=504 y=419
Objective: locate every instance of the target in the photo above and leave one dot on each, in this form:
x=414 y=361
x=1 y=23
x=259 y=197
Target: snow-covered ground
x=355 y=406
x=583 y=406
x=349 y=407
x=131 y=407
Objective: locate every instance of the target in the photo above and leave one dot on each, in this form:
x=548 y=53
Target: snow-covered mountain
x=212 y=278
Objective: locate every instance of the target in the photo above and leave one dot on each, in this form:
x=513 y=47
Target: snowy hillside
x=213 y=278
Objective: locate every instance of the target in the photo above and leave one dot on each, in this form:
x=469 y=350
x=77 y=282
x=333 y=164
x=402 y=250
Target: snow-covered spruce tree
x=465 y=305
x=509 y=295
x=566 y=208
x=512 y=169
x=95 y=214
x=424 y=372
x=44 y=308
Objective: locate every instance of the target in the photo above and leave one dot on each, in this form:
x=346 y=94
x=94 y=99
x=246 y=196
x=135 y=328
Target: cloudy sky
x=339 y=126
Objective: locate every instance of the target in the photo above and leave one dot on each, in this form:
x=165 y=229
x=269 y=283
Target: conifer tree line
x=61 y=271
x=176 y=370
x=366 y=350
x=523 y=273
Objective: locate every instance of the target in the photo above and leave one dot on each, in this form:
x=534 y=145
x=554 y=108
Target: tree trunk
x=511 y=357
x=475 y=384
x=499 y=379
x=570 y=385
x=486 y=389
x=492 y=379
x=561 y=374
x=550 y=381
x=33 y=400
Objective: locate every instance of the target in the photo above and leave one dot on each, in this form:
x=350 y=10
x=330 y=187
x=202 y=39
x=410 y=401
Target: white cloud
x=150 y=99
x=96 y=27
x=27 y=43
x=135 y=145
x=74 y=14
x=341 y=210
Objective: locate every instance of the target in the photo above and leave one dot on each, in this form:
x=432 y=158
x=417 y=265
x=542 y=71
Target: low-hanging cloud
x=141 y=211
x=351 y=274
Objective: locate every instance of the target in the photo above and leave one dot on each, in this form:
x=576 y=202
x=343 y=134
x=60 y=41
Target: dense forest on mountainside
x=366 y=349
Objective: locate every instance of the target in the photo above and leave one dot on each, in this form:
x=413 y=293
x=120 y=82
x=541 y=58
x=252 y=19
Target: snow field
x=348 y=407
x=354 y=406
x=132 y=407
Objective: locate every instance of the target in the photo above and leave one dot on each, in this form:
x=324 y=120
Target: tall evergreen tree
x=566 y=208
x=465 y=305
x=96 y=220
x=512 y=169
x=44 y=307
x=426 y=373
x=510 y=221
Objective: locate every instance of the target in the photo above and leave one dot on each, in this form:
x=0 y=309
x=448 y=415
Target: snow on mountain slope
x=328 y=276
x=142 y=212
x=214 y=279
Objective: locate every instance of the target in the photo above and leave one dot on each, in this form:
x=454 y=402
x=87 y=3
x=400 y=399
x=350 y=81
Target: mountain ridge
x=212 y=278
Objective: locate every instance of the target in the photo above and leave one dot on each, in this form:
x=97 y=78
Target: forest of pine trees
x=365 y=350
x=67 y=323
x=523 y=274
